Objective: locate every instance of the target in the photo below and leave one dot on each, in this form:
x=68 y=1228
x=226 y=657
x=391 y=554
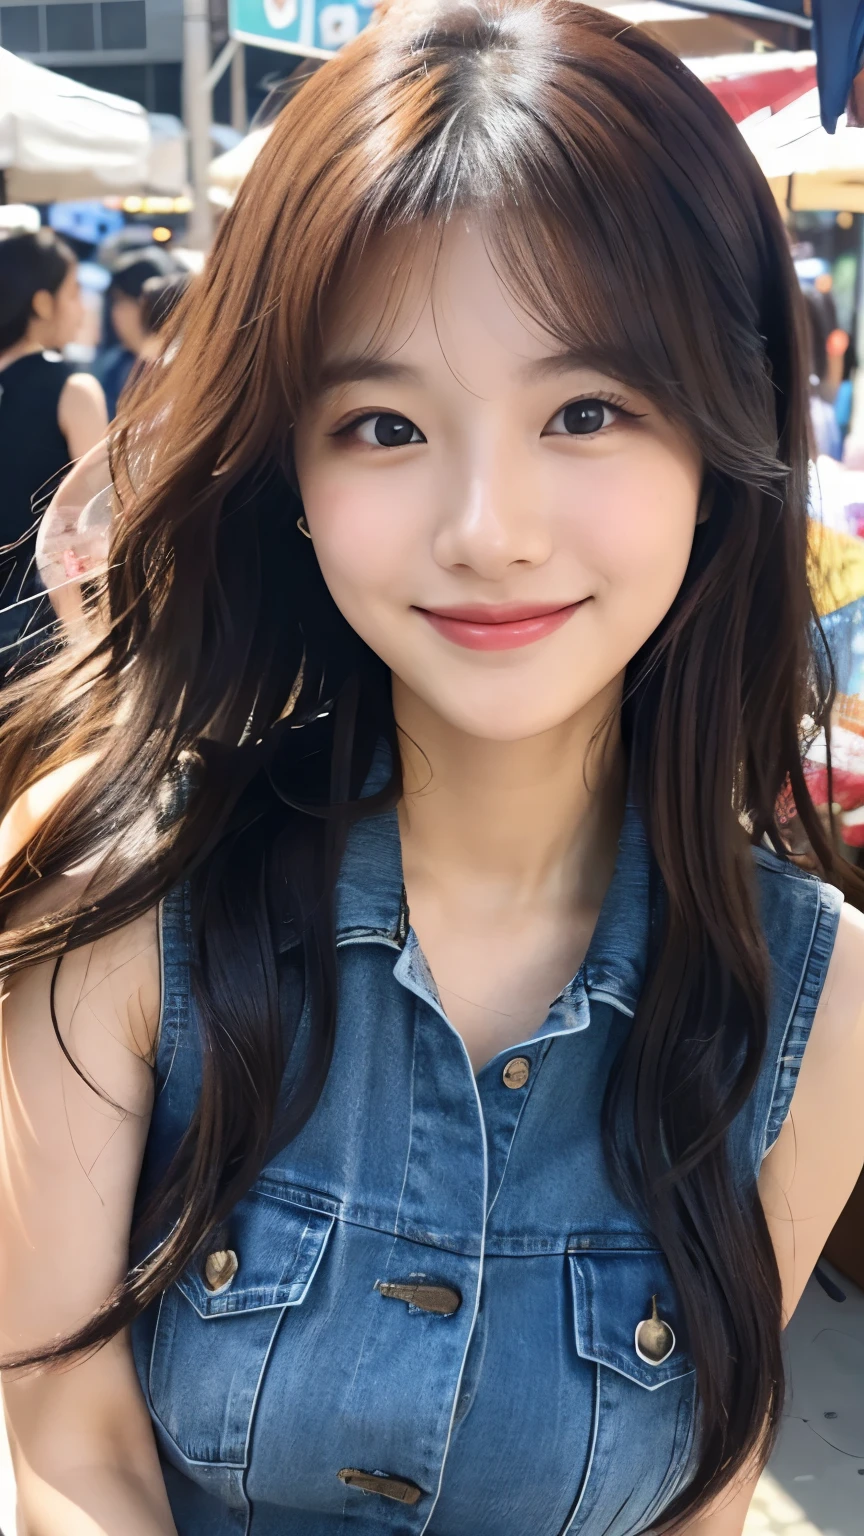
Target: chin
x=502 y=720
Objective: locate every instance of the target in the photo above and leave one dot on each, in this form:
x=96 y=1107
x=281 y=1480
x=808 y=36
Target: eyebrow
x=569 y=361
x=359 y=369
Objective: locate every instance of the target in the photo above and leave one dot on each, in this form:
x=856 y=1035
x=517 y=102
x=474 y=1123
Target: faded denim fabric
x=527 y=1412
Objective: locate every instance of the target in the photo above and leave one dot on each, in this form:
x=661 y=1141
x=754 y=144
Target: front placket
x=462 y=1125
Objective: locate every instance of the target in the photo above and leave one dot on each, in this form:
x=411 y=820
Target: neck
x=21 y=348
x=521 y=821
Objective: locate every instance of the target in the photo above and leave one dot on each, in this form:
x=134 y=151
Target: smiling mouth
x=498 y=627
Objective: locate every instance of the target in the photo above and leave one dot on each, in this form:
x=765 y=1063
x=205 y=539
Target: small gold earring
x=301 y=524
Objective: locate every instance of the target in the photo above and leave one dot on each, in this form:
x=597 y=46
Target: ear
x=42 y=304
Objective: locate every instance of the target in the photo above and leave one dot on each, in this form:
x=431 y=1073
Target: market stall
x=807 y=168
x=227 y=171
x=62 y=140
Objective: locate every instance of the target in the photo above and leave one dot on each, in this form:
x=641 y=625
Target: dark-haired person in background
x=49 y=413
x=75 y=529
x=128 y=278
x=159 y=299
x=827 y=433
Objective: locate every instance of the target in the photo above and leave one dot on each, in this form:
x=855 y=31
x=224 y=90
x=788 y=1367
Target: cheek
x=71 y=318
x=368 y=538
x=634 y=526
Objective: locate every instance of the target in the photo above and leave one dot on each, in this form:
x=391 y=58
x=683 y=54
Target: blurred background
x=126 y=127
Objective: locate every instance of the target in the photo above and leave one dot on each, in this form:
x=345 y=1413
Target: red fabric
x=745 y=94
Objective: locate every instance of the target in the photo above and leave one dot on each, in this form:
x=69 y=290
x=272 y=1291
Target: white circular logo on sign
x=280 y=13
x=338 y=23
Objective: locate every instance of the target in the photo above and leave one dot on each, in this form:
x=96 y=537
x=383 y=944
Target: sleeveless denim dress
x=423 y=1317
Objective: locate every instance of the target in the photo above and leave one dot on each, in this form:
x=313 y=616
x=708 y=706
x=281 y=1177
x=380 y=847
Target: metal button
x=441 y=1299
x=655 y=1340
x=220 y=1269
x=397 y=1488
x=517 y=1072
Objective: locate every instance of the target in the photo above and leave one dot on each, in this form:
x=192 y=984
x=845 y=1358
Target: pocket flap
x=613 y=1288
x=275 y=1248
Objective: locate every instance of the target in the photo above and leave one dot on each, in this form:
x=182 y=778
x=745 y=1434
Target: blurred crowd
x=73 y=337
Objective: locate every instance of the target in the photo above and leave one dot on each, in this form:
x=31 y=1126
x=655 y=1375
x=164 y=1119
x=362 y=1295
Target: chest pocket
x=216 y=1326
x=623 y=1300
x=628 y=1321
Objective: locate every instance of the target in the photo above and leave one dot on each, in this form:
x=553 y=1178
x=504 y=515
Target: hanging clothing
x=425 y=1316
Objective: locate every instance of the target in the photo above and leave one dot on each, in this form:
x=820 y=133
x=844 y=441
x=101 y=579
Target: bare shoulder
x=103 y=996
x=810 y=1172
x=26 y=814
x=82 y=413
x=840 y=1016
x=83 y=386
x=110 y=987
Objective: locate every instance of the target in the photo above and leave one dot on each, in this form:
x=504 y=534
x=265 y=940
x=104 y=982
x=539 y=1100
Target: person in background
x=49 y=413
x=128 y=277
x=159 y=298
x=827 y=435
x=837 y=384
x=75 y=531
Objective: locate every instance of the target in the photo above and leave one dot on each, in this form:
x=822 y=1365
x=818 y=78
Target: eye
x=583 y=418
x=385 y=429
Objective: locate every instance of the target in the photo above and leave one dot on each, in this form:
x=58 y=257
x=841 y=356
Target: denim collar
x=370 y=901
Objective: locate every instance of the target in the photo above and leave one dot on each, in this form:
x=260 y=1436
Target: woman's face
x=60 y=314
x=502 y=524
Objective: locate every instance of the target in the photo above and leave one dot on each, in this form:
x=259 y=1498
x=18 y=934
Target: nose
x=491 y=521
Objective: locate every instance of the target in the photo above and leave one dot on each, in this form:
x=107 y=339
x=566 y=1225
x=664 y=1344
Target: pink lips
x=497 y=627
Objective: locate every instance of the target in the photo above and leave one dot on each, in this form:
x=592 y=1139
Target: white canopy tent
x=806 y=167
x=227 y=171
x=61 y=140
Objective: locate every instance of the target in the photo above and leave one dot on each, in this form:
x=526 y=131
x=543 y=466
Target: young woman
x=428 y=1083
x=49 y=413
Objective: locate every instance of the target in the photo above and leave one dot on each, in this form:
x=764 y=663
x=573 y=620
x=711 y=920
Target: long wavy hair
x=234 y=711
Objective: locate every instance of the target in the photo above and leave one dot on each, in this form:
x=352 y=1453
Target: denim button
x=398 y=1488
x=220 y=1269
x=517 y=1072
x=442 y=1299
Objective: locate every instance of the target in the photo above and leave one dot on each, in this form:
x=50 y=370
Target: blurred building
x=130 y=47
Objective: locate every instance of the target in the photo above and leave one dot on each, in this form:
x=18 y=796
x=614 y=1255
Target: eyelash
x=615 y=402
x=357 y=421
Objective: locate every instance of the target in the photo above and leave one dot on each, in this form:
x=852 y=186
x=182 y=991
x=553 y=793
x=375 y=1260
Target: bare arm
x=82 y=1443
x=74 y=533
x=811 y=1170
x=82 y=414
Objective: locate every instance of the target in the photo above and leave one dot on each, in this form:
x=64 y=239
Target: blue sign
x=311 y=27
x=89 y=221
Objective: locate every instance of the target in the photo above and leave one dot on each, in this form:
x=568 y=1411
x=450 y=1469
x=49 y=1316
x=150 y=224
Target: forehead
x=437 y=296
